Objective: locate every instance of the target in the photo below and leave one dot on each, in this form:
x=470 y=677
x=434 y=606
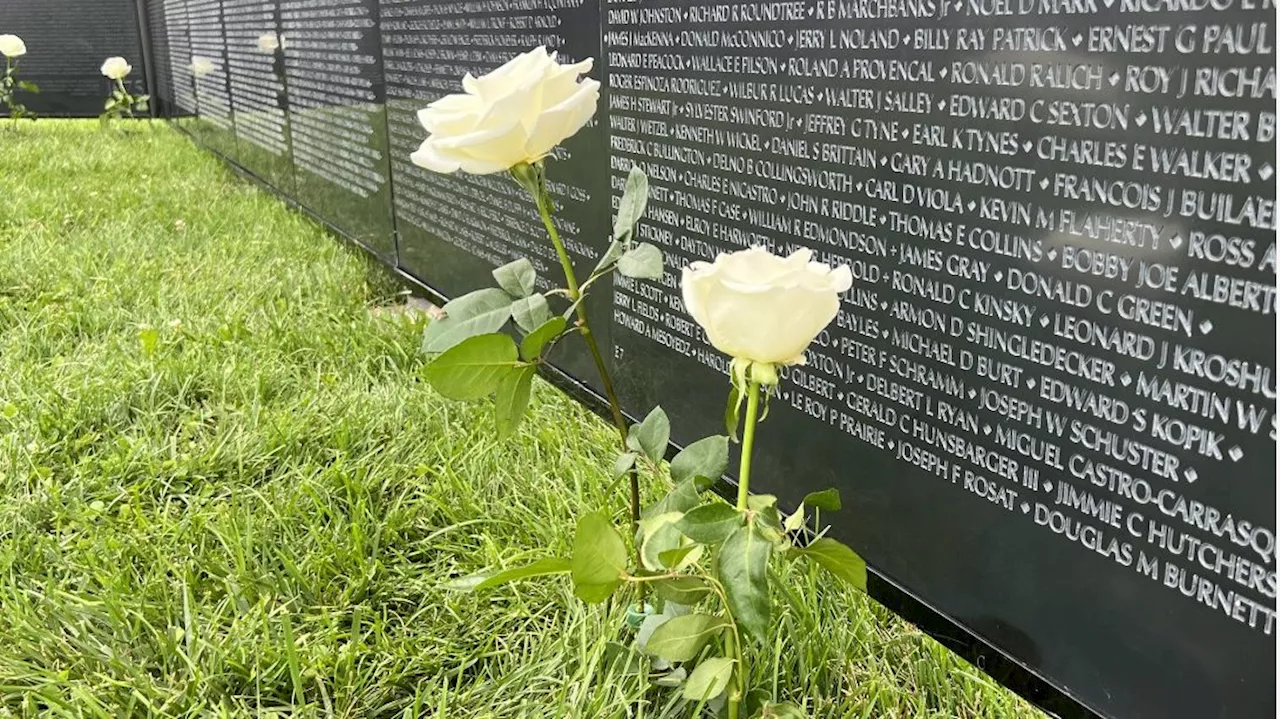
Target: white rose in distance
x=116 y=68
x=268 y=42
x=518 y=113
x=763 y=308
x=201 y=66
x=12 y=46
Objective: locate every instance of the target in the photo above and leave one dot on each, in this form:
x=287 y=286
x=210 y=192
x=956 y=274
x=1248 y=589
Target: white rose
x=760 y=307
x=201 y=66
x=116 y=68
x=517 y=113
x=12 y=46
x=268 y=42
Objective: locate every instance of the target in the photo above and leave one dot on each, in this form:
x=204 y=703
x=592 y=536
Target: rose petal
x=564 y=120
x=428 y=157
x=841 y=278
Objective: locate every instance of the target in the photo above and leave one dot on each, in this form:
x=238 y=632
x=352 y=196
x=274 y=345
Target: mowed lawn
x=225 y=492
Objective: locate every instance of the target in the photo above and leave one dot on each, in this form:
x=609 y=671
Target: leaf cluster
x=701 y=556
x=120 y=103
x=10 y=85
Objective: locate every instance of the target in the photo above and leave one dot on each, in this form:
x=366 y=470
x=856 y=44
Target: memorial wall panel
x=454 y=229
x=1049 y=398
x=66 y=44
x=337 y=123
x=256 y=72
x=161 y=89
x=177 y=41
x=214 y=124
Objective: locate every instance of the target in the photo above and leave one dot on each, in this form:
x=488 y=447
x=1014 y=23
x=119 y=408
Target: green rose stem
x=732 y=645
x=748 y=441
x=8 y=76
x=533 y=178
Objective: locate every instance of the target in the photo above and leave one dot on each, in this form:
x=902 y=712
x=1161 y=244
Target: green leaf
x=473 y=368
x=681 y=590
x=681 y=557
x=760 y=502
x=643 y=262
x=838 y=559
x=610 y=256
x=708 y=679
x=785 y=710
x=651 y=435
x=488 y=580
x=732 y=412
x=681 y=638
x=531 y=312
x=681 y=499
x=513 y=398
x=532 y=344
x=599 y=558
x=710 y=523
x=476 y=313
x=768 y=520
x=623 y=464
x=828 y=500
x=743 y=570
x=795 y=520
x=517 y=277
x=635 y=195
x=659 y=535
x=708 y=457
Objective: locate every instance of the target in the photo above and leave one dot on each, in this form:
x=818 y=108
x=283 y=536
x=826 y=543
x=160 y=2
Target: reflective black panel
x=177 y=42
x=161 y=63
x=66 y=45
x=1048 y=398
x=214 y=121
x=337 y=122
x=256 y=73
x=454 y=229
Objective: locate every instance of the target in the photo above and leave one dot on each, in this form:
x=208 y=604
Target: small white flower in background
x=201 y=66
x=116 y=68
x=759 y=307
x=12 y=46
x=516 y=114
x=268 y=42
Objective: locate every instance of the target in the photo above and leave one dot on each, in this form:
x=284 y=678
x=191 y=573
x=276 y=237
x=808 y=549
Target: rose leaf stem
x=543 y=201
x=748 y=442
x=615 y=406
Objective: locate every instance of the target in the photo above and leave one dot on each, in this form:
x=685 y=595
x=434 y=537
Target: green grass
x=224 y=491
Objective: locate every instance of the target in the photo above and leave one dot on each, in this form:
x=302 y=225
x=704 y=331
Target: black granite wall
x=67 y=40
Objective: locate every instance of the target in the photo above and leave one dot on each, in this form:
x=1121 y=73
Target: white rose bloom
x=517 y=113
x=12 y=46
x=116 y=68
x=760 y=307
x=268 y=42
x=201 y=66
